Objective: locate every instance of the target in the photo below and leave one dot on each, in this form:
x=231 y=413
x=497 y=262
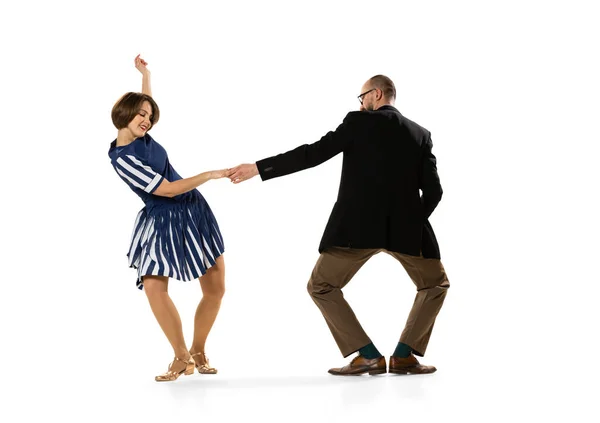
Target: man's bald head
x=376 y=92
x=386 y=85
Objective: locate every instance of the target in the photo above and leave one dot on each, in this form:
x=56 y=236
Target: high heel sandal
x=202 y=364
x=171 y=375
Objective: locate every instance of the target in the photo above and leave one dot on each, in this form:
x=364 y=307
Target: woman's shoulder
x=114 y=150
x=150 y=144
x=149 y=141
x=142 y=148
x=134 y=148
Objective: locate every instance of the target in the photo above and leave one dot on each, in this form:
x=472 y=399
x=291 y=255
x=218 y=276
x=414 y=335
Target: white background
x=510 y=93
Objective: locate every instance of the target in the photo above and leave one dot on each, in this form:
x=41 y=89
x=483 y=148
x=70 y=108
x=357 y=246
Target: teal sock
x=369 y=352
x=402 y=350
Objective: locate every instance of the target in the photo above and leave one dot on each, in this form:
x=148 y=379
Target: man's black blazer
x=387 y=160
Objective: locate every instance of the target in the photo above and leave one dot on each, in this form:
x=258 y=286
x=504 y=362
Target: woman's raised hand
x=140 y=64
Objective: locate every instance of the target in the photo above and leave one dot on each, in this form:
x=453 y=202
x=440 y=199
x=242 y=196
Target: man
x=387 y=160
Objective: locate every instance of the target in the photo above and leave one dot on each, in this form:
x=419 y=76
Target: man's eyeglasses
x=360 y=97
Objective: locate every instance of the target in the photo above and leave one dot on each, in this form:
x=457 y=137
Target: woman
x=175 y=235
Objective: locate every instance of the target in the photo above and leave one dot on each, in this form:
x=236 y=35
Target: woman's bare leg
x=213 y=289
x=166 y=314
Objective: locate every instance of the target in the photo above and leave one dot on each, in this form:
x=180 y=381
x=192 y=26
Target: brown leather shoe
x=360 y=365
x=409 y=365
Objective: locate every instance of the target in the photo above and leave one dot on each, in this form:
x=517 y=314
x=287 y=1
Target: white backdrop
x=510 y=93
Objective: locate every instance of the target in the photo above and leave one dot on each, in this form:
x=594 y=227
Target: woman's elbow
x=165 y=189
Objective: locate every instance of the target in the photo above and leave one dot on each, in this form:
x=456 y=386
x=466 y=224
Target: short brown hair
x=129 y=105
x=385 y=84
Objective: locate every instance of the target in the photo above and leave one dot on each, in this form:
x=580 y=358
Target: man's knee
x=439 y=291
x=310 y=287
x=316 y=288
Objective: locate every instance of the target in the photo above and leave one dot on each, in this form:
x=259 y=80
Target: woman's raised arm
x=140 y=65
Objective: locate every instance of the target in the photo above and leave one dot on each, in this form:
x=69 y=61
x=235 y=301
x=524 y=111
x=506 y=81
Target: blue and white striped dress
x=176 y=237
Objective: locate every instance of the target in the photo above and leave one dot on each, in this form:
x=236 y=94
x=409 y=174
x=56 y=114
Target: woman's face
x=141 y=122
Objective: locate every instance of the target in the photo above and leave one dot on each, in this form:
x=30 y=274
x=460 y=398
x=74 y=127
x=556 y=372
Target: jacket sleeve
x=430 y=181
x=310 y=155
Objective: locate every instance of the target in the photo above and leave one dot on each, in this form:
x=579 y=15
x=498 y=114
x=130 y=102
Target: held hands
x=140 y=64
x=242 y=173
x=237 y=174
x=218 y=174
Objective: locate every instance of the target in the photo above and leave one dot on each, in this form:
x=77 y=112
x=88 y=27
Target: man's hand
x=242 y=173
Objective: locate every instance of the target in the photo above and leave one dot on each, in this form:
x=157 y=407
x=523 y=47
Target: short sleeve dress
x=176 y=237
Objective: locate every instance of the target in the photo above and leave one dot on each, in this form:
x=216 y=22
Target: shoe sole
x=370 y=372
x=409 y=372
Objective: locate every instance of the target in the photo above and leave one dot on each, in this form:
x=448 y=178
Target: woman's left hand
x=140 y=64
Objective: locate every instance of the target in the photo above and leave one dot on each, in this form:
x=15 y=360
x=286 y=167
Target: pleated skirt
x=178 y=240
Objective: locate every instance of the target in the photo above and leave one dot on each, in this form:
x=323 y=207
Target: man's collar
x=388 y=107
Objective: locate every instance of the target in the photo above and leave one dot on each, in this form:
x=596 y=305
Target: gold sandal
x=202 y=364
x=171 y=375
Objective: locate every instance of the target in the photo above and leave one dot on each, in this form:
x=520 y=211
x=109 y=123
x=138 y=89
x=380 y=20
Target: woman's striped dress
x=176 y=237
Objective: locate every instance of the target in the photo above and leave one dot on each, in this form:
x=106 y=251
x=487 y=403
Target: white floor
x=517 y=391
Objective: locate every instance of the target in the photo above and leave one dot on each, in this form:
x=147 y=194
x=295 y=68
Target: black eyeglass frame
x=360 y=97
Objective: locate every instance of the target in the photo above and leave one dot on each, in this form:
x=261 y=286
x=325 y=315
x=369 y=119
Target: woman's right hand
x=218 y=174
x=140 y=64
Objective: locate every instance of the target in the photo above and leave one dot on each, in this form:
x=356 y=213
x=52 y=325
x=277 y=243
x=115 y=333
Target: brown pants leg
x=336 y=267
x=432 y=285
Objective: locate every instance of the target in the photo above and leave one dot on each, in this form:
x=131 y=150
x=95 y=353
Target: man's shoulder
x=414 y=126
x=354 y=115
x=363 y=117
x=385 y=114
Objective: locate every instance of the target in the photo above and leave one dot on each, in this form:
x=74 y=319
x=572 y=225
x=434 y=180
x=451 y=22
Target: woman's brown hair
x=129 y=105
